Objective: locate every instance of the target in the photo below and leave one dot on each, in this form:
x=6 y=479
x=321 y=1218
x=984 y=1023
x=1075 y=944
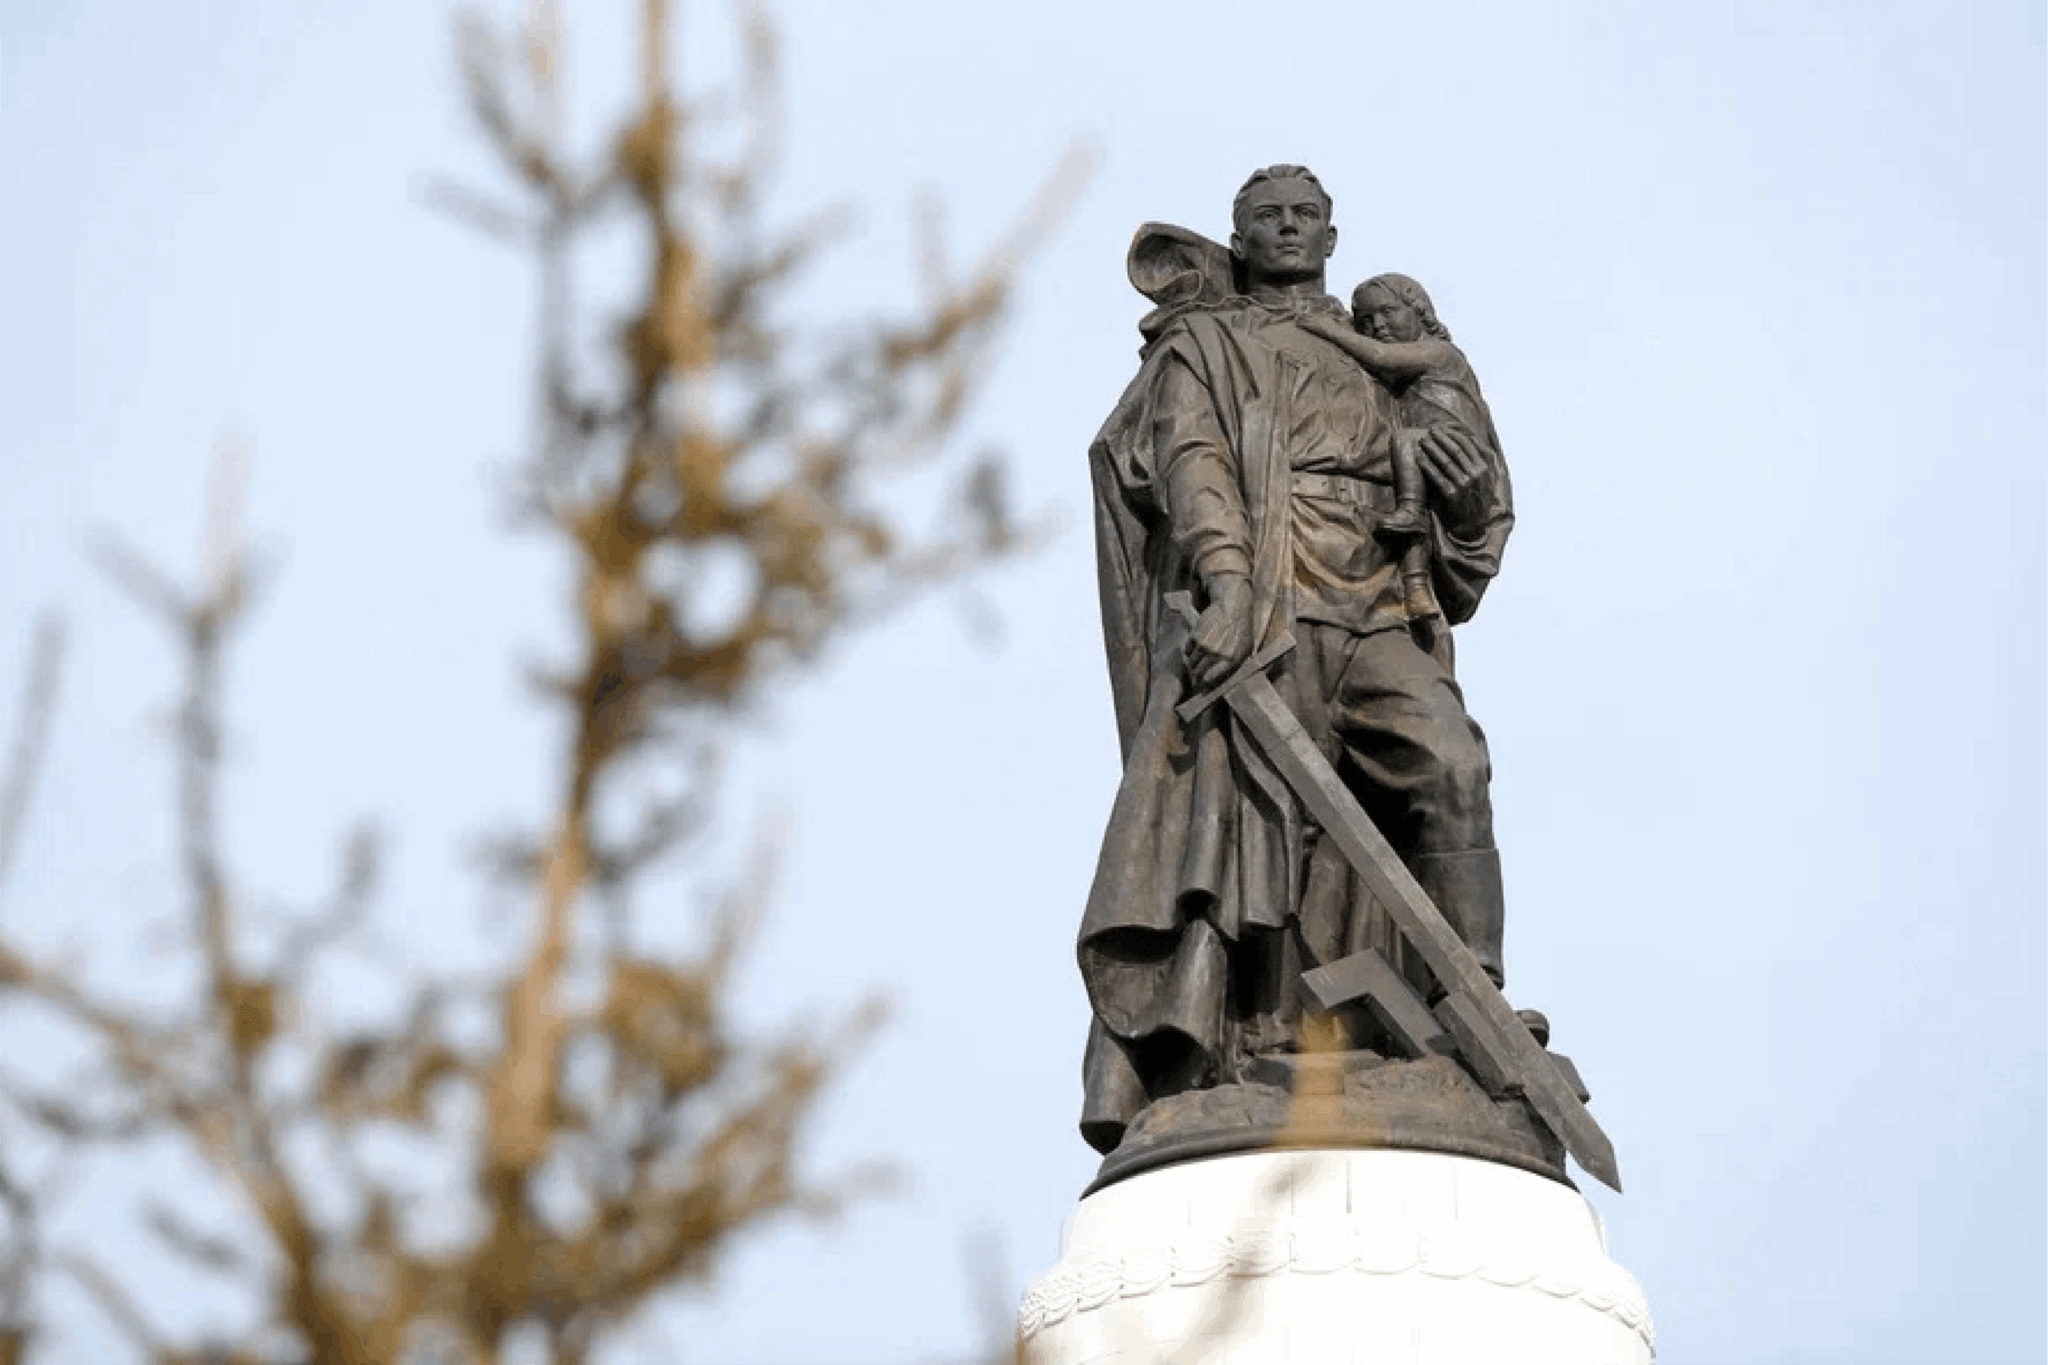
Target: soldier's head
x=1281 y=231
x=1395 y=308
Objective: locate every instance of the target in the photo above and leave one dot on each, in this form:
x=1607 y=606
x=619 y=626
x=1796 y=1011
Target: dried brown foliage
x=624 y=1133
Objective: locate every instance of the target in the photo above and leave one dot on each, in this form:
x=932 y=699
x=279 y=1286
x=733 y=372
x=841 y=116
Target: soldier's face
x=1382 y=315
x=1285 y=235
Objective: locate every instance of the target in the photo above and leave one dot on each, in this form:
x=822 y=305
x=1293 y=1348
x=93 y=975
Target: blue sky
x=1756 y=292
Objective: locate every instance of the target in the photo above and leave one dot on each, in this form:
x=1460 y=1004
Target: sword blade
x=1496 y=1029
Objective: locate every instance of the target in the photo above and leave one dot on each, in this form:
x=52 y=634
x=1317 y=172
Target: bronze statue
x=1281 y=465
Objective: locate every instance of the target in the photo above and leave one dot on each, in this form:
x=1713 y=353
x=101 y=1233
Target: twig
x=125 y=1312
x=31 y=735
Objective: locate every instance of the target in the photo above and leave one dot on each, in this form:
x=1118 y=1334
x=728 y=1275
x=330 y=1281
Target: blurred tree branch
x=34 y=717
x=624 y=1133
x=35 y=714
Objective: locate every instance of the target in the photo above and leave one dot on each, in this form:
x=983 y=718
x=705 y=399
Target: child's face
x=1381 y=315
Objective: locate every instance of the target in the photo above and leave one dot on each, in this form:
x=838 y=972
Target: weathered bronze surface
x=1294 y=933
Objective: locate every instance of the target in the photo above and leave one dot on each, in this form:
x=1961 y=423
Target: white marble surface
x=1336 y=1258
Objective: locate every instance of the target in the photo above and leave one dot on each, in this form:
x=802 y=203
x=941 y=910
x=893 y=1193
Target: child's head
x=1395 y=308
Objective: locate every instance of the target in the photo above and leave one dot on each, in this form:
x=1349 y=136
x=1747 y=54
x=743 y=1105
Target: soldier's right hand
x=1222 y=638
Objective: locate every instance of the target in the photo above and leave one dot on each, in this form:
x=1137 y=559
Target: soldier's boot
x=1407 y=523
x=1418 y=594
x=1467 y=890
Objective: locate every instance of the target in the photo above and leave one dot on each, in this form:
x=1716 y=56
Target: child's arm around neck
x=1395 y=362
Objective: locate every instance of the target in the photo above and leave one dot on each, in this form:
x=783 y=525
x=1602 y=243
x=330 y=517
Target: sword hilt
x=1182 y=604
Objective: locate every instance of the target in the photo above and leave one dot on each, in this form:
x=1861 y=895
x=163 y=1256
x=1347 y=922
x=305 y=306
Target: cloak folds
x=1202 y=833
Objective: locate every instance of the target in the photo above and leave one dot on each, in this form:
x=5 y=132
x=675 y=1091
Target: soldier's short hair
x=1279 y=172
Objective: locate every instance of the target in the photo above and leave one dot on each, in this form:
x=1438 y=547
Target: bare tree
x=626 y=1129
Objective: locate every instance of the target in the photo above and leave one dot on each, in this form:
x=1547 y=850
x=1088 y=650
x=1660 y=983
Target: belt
x=1346 y=488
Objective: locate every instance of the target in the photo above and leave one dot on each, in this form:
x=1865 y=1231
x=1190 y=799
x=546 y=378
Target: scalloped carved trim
x=1066 y=1290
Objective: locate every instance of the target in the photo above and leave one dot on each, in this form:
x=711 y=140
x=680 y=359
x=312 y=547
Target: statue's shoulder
x=1198 y=338
x=1207 y=321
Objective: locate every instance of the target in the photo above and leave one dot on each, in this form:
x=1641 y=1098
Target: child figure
x=1396 y=336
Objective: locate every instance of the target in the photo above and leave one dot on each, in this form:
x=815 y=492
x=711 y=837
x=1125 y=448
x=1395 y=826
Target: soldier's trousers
x=1393 y=723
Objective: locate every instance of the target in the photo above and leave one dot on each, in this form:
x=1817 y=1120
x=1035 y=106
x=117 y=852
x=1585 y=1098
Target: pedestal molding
x=1105 y=1277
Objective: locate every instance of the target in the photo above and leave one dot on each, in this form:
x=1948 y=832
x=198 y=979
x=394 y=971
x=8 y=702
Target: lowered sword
x=1498 y=1045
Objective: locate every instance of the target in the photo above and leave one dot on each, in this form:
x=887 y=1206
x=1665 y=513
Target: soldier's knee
x=1468 y=770
x=1456 y=792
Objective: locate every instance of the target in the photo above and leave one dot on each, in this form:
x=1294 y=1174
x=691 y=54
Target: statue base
x=1338 y=1100
x=1336 y=1258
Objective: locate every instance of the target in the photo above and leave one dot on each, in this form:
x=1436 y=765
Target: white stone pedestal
x=1371 y=1257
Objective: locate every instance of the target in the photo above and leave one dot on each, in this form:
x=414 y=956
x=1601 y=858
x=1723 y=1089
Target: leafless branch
x=115 y=1300
x=613 y=1128
x=32 y=722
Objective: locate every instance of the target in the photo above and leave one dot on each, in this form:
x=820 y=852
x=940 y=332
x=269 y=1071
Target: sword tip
x=1604 y=1169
